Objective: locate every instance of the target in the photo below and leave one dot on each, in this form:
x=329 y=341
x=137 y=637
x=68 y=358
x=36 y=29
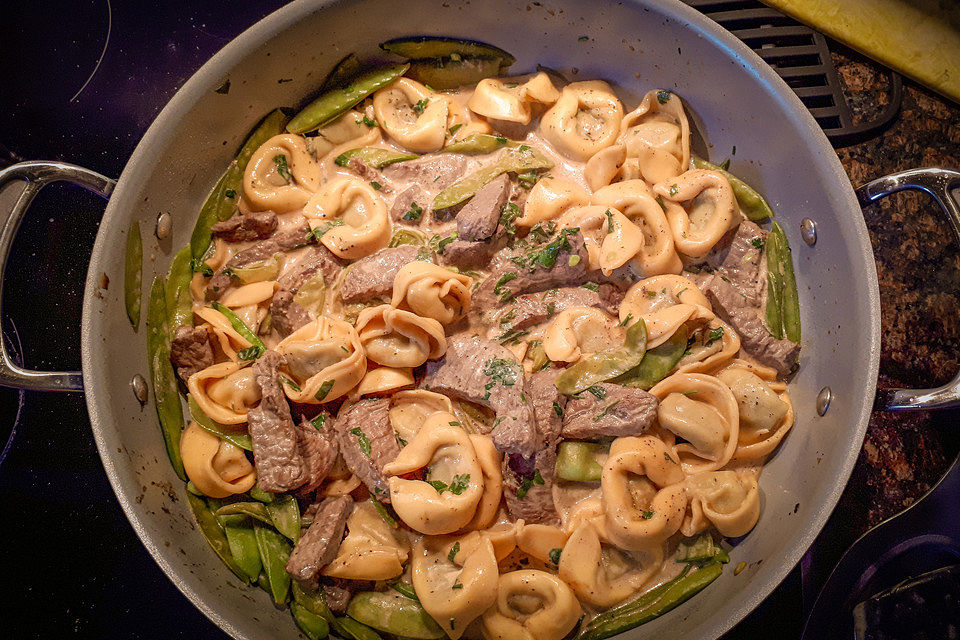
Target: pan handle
x=35 y=175
x=939 y=183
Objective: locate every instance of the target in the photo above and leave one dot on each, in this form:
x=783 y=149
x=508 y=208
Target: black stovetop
x=72 y=562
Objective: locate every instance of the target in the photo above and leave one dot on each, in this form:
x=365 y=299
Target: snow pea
x=652 y=604
x=259 y=494
x=165 y=392
x=222 y=201
x=393 y=613
x=373 y=157
x=349 y=628
x=179 y=301
x=274 y=552
x=332 y=103
x=406 y=589
x=449 y=73
x=223 y=432
x=580 y=461
x=314 y=602
x=752 y=204
x=255 y=510
x=312 y=625
x=790 y=300
x=605 y=365
x=774 y=307
x=213 y=533
x=700 y=550
x=133 y=275
x=421 y=47
x=523 y=158
x=345 y=70
x=285 y=515
x=243 y=544
x=657 y=362
x=478 y=143
x=242 y=329
x=407 y=236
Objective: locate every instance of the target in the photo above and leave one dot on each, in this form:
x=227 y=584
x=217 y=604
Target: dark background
x=72 y=563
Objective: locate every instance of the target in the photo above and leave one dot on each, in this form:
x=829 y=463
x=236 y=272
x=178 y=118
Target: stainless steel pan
x=735 y=98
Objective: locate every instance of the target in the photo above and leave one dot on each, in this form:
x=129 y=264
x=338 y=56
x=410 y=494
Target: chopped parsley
x=502 y=371
x=663 y=96
x=583 y=39
x=599 y=392
x=667 y=456
x=199 y=266
x=459 y=484
x=453 y=130
x=367 y=120
x=547 y=256
x=527 y=483
x=542 y=231
x=230 y=193
x=420 y=106
x=725 y=164
x=454 y=550
x=376 y=186
x=527 y=180
x=606 y=411
x=498 y=290
x=439 y=485
x=362 y=440
x=554 y=556
x=609 y=215
x=715 y=334
x=280 y=161
x=320 y=230
x=673 y=190
x=290 y=383
x=438 y=244
x=508 y=216
x=757 y=243
x=523 y=147
x=454 y=423
x=626 y=320
x=382 y=510
x=511 y=336
x=324 y=390
x=592 y=286
x=692 y=392
x=501 y=139
x=659 y=200
x=646 y=515
x=557 y=409
x=251 y=353
x=457 y=585
x=319 y=422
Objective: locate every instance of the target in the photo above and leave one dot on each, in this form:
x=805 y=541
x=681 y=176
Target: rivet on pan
x=163 y=225
x=823 y=400
x=808 y=231
x=139 y=386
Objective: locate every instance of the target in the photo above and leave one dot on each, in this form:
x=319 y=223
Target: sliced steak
x=368 y=443
x=528 y=487
x=276 y=451
x=319 y=447
x=608 y=410
x=372 y=277
x=432 y=172
x=738 y=258
x=464 y=255
x=548 y=404
x=190 y=350
x=321 y=541
x=530 y=309
x=482 y=371
x=245 y=227
x=479 y=218
x=286 y=315
x=746 y=318
x=371 y=175
x=403 y=203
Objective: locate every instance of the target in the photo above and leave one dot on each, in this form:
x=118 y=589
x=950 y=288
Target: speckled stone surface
x=918 y=265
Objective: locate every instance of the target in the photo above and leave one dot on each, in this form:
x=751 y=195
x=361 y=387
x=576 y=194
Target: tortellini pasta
x=281 y=175
x=610 y=238
x=656 y=137
x=701 y=410
x=727 y=499
x=397 y=338
x=664 y=303
x=490 y=461
x=346 y=128
x=531 y=605
x=410 y=409
x=577 y=331
x=642 y=493
x=324 y=360
x=228 y=339
x=413 y=115
x=431 y=291
x=434 y=575
x=371 y=550
x=461 y=123
x=382 y=380
x=353 y=215
x=225 y=391
x=444 y=449
x=550 y=198
x=765 y=416
x=585 y=119
x=711 y=210
x=497 y=99
x=634 y=200
x=707 y=353
x=542 y=541
x=216 y=467
x=606 y=166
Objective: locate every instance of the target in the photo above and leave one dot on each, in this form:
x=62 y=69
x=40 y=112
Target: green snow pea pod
x=258 y=347
x=332 y=103
x=350 y=628
x=313 y=626
x=373 y=156
x=580 y=461
x=213 y=533
x=407 y=236
x=179 y=301
x=348 y=68
x=274 y=553
x=133 y=275
x=420 y=47
x=773 y=311
x=702 y=549
x=478 y=143
x=790 y=299
x=394 y=613
x=255 y=510
x=223 y=432
x=657 y=362
x=243 y=544
x=165 y=392
x=285 y=515
x=605 y=365
x=523 y=158
x=752 y=204
x=449 y=73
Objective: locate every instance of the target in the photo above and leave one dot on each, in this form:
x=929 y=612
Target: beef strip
x=482 y=371
x=367 y=424
x=319 y=447
x=613 y=411
x=746 y=318
x=738 y=258
x=372 y=276
x=336 y=596
x=530 y=309
x=464 y=254
x=370 y=174
x=433 y=172
x=190 y=350
x=479 y=218
x=286 y=315
x=276 y=440
x=245 y=227
x=321 y=541
x=548 y=404
x=403 y=202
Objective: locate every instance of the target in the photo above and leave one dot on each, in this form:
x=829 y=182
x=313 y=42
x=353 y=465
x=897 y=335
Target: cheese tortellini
x=765 y=415
x=382 y=380
x=371 y=550
x=431 y=291
x=397 y=338
x=656 y=138
x=730 y=501
x=531 y=605
x=585 y=119
x=281 y=175
x=611 y=239
x=324 y=360
x=499 y=99
x=410 y=409
x=216 y=467
x=664 y=303
x=581 y=330
x=225 y=391
x=550 y=198
x=351 y=217
x=412 y=114
x=710 y=210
